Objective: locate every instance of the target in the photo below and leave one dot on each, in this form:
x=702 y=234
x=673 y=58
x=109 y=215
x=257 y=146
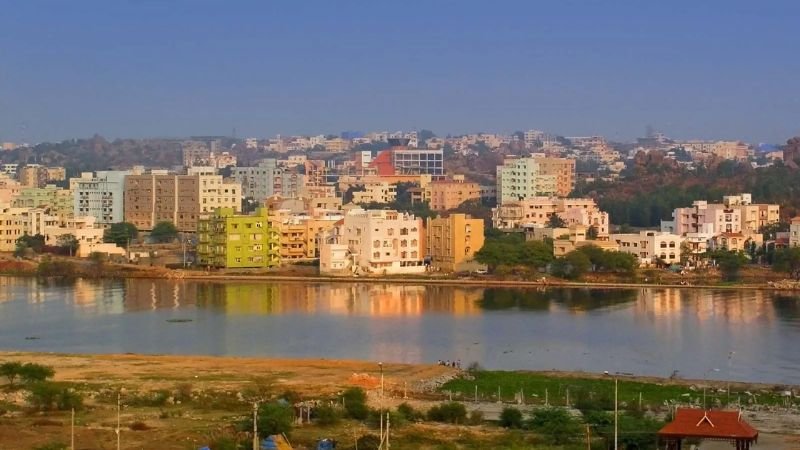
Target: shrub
x=511 y=418
x=50 y=396
x=327 y=415
x=139 y=426
x=556 y=425
x=368 y=442
x=183 y=392
x=355 y=403
x=449 y=412
x=273 y=418
x=52 y=446
x=476 y=417
x=33 y=373
x=409 y=413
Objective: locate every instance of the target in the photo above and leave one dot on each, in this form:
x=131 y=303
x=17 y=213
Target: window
x=414 y=255
x=376 y=244
x=404 y=243
x=413 y=242
x=376 y=255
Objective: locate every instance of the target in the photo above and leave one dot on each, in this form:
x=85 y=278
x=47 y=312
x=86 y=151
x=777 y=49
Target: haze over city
x=710 y=70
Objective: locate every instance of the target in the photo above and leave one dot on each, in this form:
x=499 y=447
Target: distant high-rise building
x=100 y=195
x=523 y=178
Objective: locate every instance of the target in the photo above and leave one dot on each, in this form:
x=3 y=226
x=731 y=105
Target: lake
x=721 y=334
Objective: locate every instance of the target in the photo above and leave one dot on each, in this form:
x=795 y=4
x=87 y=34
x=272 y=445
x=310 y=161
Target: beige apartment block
x=736 y=214
x=444 y=195
x=535 y=212
x=162 y=197
x=11 y=229
x=651 y=247
x=381 y=192
x=374 y=242
x=453 y=241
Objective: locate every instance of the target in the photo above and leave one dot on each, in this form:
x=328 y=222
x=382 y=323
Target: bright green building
x=230 y=240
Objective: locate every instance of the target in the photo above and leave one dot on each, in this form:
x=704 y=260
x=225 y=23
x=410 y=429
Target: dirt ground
x=205 y=418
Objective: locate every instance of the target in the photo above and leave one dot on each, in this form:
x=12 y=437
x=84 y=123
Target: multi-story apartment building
x=58 y=202
x=230 y=240
x=536 y=212
x=444 y=195
x=11 y=229
x=399 y=159
x=381 y=192
x=521 y=178
x=453 y=241
x=36 y=176
x=377 y=242
x=736 y=214
x=159 y=196
x=258 y=182
x=100 y=195
x=9 y=190
x=794 y=232
x=300 y=234
x=651 y=247
x=215 y=192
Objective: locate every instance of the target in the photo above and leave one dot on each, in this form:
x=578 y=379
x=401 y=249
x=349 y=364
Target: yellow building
x=452 y=242
x=230 y=240
x=11 y=229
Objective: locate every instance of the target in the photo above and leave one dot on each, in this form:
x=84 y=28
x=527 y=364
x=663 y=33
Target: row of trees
x=511 y=250
x=123 y=233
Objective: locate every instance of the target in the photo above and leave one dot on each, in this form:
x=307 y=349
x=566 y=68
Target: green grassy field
x=554 y=389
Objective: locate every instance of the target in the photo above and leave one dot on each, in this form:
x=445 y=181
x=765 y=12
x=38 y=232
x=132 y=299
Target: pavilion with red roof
x=707 y=424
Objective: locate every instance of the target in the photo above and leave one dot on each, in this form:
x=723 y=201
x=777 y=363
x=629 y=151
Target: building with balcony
x=535 y=212
x=651 y=247
x=379 y=192
x=59 y=202
x=100 y=195
x=523 y=178
x=374 y=242
x=11 y=229
x=300 y=233
x=229 y=240
x=453 y=241
x=444 y=195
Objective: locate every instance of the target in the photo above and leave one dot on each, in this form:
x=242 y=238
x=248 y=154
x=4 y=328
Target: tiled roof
x=708 y=424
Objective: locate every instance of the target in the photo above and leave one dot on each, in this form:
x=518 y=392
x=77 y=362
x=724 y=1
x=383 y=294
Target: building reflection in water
x=336 y=299
x=735 y=307
x=574 y=300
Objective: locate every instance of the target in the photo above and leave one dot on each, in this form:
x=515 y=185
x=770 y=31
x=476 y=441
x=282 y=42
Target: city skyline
x=144 y=69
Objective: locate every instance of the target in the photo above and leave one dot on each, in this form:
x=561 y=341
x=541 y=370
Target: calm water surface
x=741 y=335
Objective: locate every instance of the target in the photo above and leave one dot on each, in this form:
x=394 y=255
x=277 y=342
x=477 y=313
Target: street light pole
x=616 y=413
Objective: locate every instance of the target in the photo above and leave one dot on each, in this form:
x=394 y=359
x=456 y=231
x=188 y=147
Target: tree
x=355 y=403
x=554 y=221
x=164 y=232
x=572 y=266
x=26 y=241
x=511 y=418
x=788 y=260
x=448 y=412
x=554 y=424
x=729 y=263
x=273 y=418
x=10 y=370
x=121 y=233
x=33 y=373
x=68 y=243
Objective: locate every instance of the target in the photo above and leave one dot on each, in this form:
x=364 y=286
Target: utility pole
x=72 y=431
x=588 y=437
x=119 y=407
x=616 y=414
x=387 y=431
x=255 y=426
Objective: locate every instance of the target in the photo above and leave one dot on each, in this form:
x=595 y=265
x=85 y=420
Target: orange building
x=450 y=194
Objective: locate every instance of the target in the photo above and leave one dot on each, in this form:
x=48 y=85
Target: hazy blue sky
x=706 y=69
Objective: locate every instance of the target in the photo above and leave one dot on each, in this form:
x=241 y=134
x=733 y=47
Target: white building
x=650 y=247
x=374 y=242
x=100 y=195
x=794 y=232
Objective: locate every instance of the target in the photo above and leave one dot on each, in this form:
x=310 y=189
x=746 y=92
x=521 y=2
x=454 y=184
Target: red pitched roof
x=712 y=424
